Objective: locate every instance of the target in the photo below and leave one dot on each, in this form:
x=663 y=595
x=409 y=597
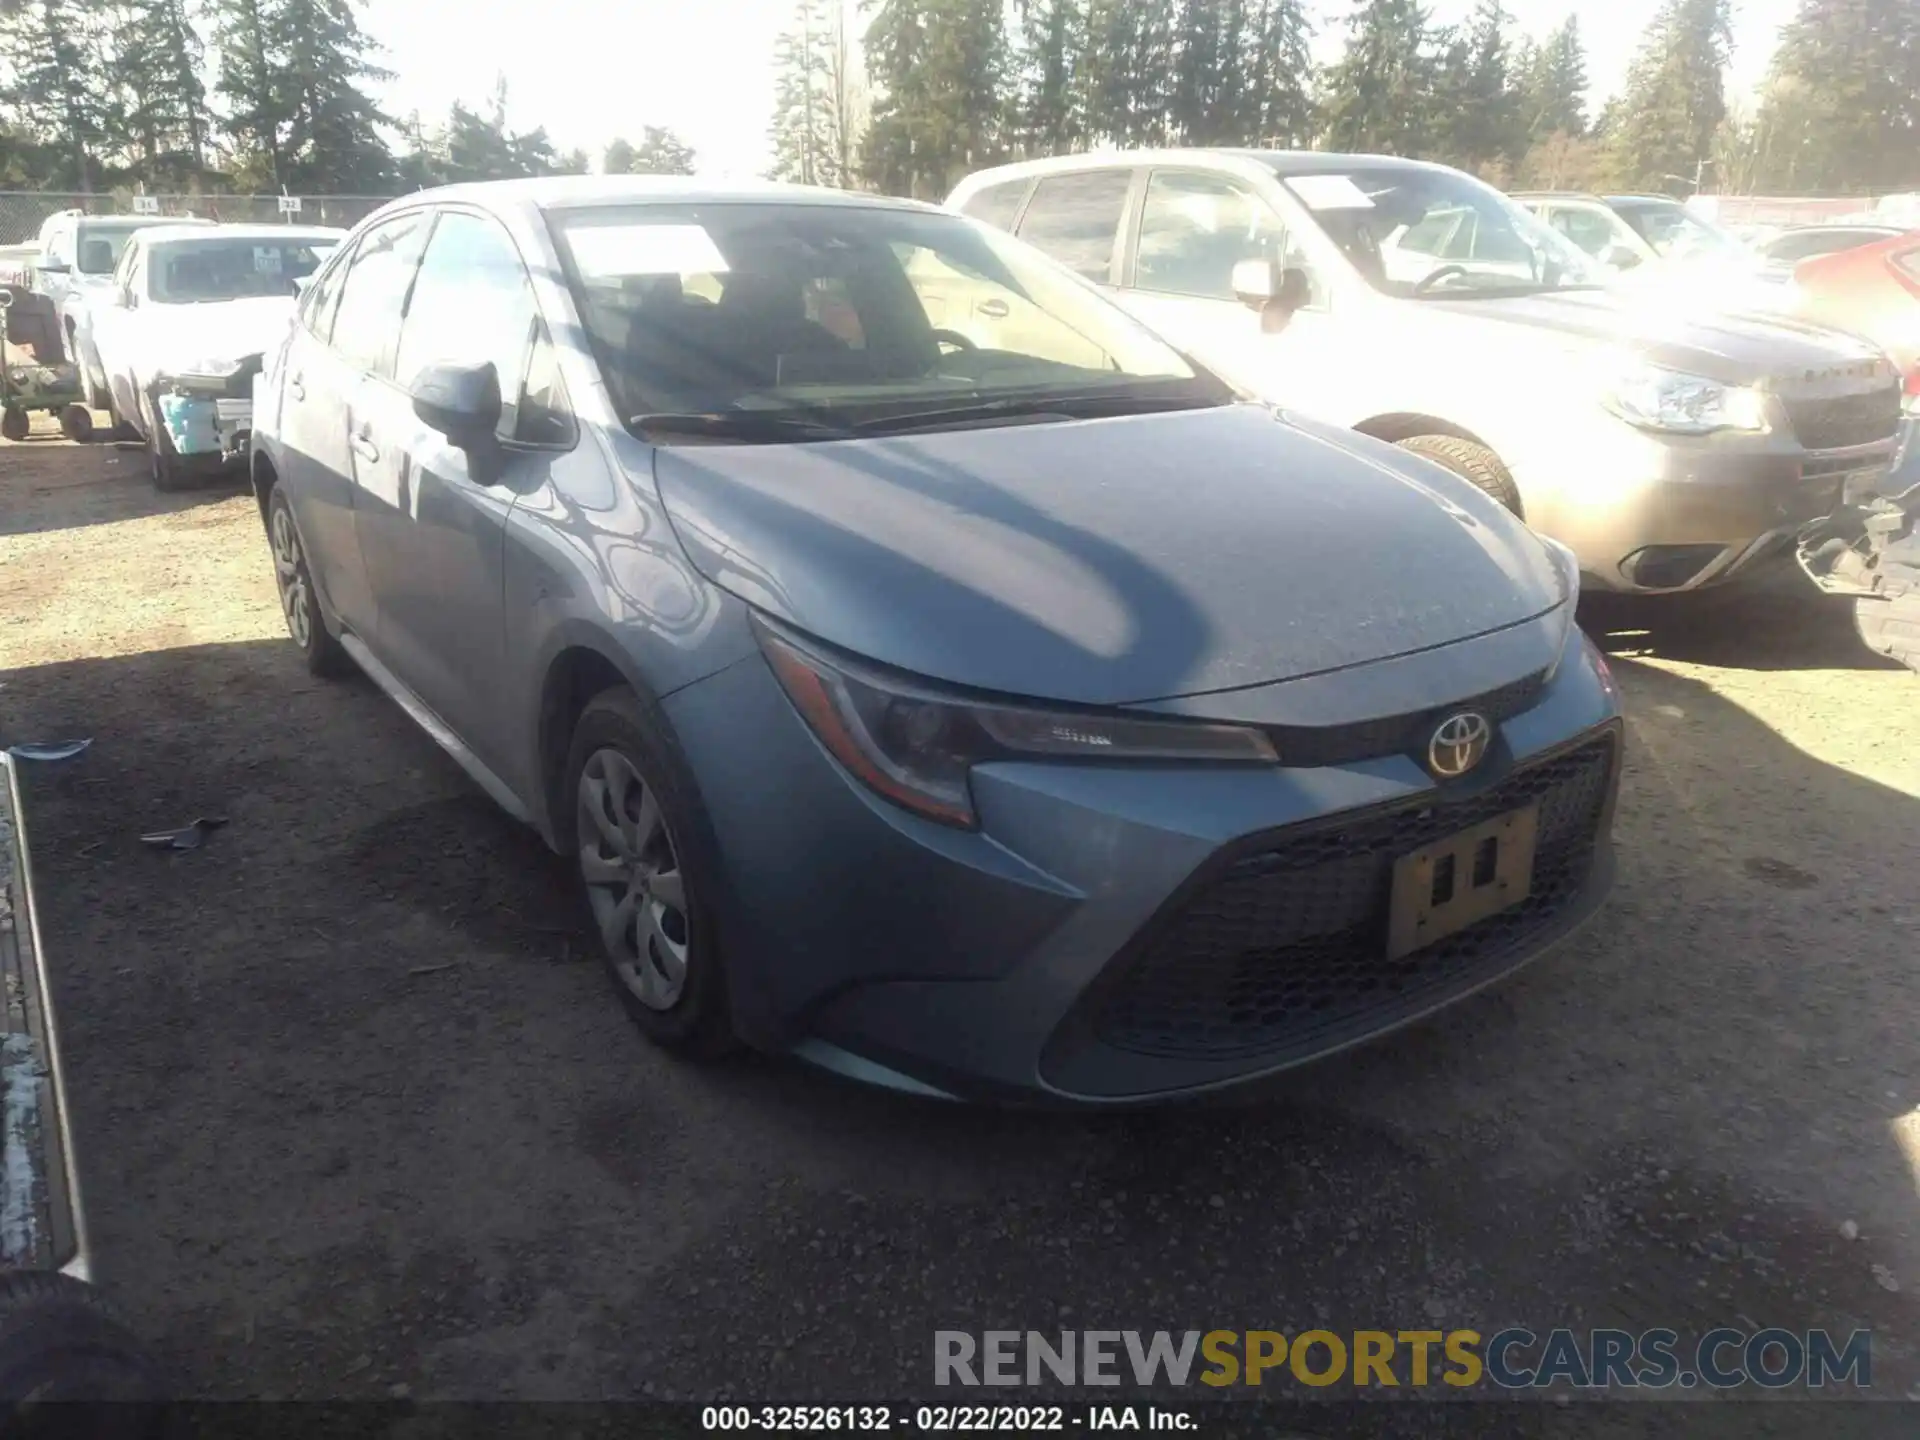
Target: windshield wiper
x=753 y=427
x=1089 y=406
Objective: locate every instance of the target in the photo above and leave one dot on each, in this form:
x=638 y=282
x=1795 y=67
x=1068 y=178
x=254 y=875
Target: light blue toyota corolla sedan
x=933 y=674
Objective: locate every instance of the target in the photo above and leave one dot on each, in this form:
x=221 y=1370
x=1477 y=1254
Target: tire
x=164 y=467
x=664 y=923
x=299 y=601
x=61 y=1341
x=76 y=423
x=15 y=423
x=1473 y=463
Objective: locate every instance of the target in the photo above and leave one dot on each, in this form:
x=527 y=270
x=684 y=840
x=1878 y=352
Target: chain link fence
x=22 y=212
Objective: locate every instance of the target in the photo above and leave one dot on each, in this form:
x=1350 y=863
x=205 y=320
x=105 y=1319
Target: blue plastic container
x=192 y=423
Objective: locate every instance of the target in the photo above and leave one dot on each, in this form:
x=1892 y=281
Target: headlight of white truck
x=1655 y=398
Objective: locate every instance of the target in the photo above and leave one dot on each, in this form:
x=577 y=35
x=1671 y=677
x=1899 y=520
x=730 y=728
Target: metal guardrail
x=23 y=212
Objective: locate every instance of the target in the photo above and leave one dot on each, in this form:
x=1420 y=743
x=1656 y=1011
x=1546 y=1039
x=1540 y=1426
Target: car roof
x=143 y=222
x=1284 y=163
x=563 y=192
x=159 y=235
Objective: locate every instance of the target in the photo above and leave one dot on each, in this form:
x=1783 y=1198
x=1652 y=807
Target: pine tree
x=1490 y=135
x=661 y=152
x=1841 y=108
x=1379 y=95
x=1052 y=105
x=618 y=159
x=1675 y=96
x=56 y=82
x=1202 y=53
x=1277 y=104
x=251 y=86
x=1553 y=86
x=157 y=61
x=939 y=69
x=333 y=139
x=808 y=143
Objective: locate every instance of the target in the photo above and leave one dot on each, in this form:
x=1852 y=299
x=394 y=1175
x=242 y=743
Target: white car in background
x=73 y=265
x=182 y=329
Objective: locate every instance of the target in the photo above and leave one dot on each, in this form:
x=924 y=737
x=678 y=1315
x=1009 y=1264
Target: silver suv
x=1414 y=303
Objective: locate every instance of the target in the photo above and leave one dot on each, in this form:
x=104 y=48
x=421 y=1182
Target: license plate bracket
x=1440 y=889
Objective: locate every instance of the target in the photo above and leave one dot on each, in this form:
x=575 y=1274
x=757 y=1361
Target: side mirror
x=1621 y=257
x=462 y=402
x=1256 y=282
x=55 y=267
x=301 y=284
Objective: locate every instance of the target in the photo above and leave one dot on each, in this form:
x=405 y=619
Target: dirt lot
x=357 y=1111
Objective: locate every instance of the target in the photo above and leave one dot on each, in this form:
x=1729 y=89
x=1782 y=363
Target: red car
x=1873 y=290
x=1871 y=550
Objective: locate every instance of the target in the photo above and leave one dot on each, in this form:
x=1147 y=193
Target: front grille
x=1290 y=943
x=1835 y=421
x=1308 y=745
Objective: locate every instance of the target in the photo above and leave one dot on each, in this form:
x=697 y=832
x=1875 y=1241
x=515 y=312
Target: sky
x=589 y=70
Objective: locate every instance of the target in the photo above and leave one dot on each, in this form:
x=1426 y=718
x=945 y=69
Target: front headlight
x=1671 y=400
x=914 y=744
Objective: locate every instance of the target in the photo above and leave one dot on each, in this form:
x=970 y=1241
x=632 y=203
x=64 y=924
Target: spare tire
x=60 y=1343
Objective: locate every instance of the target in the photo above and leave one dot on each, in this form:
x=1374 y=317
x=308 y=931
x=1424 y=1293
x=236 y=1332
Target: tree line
x=907 y=95
x=952 y=85
x=105 y=94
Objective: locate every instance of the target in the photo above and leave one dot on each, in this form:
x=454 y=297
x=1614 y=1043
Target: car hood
x=174 y=335
x=1109 y=561
x=1734 y=349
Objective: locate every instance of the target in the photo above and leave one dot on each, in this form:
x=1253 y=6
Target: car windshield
x=1419 y=233
x=1675 y=233
x=837 y=315
x=196 y=272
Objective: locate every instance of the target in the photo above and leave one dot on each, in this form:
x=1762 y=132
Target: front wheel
x=642 y=864
x=15 y=423
x=1472 y=462
x=299 y=602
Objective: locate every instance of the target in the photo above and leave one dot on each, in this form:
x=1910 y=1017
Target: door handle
x=993 y=309
x=296 y=389
x=364 y=447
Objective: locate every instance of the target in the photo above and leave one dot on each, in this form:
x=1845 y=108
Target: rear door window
x=997 y=205
x=366 y=325
x=1076 y=219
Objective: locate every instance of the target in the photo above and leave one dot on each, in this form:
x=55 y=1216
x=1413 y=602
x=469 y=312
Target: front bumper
x=1649 y=514
x=980 y=964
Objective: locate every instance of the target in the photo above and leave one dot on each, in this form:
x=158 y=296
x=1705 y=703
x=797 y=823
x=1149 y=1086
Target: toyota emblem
x=1459 y=744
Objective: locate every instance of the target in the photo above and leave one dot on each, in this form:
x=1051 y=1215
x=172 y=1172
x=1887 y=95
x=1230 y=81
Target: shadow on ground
x=354 y=1109
x=1776 y=620
x=54 y=485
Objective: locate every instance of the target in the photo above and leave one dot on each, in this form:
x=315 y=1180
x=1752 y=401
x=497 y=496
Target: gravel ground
x=357 y=1111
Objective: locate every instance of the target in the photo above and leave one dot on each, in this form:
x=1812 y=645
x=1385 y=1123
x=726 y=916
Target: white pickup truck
x=181 y=330
x=72 y=264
